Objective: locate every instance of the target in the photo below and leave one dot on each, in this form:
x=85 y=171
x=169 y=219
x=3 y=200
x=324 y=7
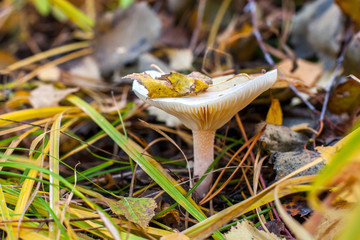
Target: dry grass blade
x=174 y=143
x=44 y=55
x=252 y=141
x=206 y=227
x=293 y=225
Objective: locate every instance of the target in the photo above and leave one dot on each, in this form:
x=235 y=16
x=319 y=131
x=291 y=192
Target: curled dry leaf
x=48 y=96
x=346 y=97
x=296 y=205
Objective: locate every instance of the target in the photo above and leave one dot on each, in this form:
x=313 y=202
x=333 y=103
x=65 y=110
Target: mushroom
x=207 y=111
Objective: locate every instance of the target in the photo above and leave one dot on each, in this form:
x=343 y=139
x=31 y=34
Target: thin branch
x=267 y=56
x=344 y=45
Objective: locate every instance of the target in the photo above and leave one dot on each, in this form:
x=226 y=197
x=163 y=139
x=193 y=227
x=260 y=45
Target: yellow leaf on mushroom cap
x=210 y=109
x=173 y=84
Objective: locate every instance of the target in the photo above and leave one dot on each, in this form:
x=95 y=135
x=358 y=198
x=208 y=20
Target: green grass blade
x=74 y=14
x=150 y=166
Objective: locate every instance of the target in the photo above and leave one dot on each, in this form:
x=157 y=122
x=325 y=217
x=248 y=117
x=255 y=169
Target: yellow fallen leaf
x=275 y=115
x=173 y=84
x=350 y=8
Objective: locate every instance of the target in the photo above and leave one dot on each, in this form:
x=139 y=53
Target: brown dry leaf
x=275 y=115
x=346 y=97
x=246 y=231
x=86 y=73
x=48 y=96
x=296 y=205
x=175 y=236
x=308 y=72
x=171 y=217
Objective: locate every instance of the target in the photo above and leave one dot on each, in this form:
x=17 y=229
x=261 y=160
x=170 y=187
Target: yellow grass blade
x=44 y=55
x=54 y=190
x=27 y=114
x=5 y=215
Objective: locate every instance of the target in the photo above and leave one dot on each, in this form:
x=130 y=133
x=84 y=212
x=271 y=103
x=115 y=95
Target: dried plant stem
x=344 y=44
x=195 y=35
x=267 y=56
x=203 y=157
x=269 y=60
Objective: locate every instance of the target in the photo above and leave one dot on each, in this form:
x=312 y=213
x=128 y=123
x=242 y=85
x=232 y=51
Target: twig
x=195 y=35
x=344 y=45
x=267 y=56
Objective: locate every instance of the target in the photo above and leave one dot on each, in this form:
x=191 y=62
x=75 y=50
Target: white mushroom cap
x=211 y=109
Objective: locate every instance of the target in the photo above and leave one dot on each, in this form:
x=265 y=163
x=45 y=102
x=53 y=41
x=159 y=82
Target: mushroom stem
x=203 y=157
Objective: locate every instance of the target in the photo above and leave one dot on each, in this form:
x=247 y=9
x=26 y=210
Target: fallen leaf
x=307 y=72
x=171 y=85
x=136 y=210
x=346 y=97
x=48 y=96
x=287 y=162
x=275 y=115
x=281 y=138
x=296 y=205
x=274 y=226
x=246 y=231
x=171 y=217
x=350 y=8
x=85 y=73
